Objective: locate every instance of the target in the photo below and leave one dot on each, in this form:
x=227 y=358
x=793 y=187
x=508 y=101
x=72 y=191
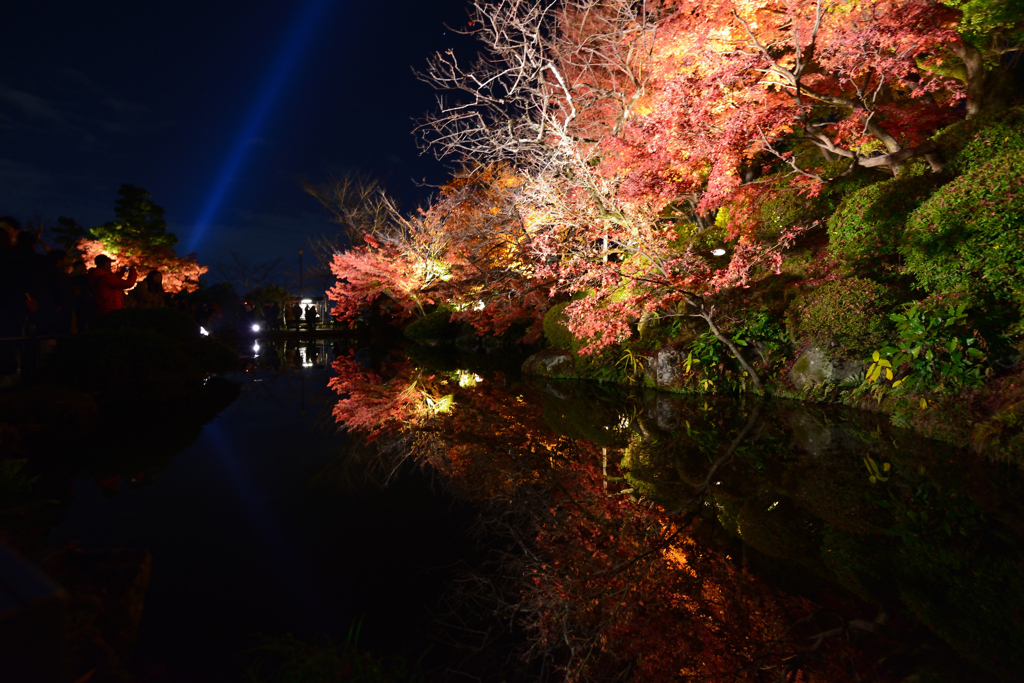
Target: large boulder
x=550 y=363
x=666 y=369
x=814 y=366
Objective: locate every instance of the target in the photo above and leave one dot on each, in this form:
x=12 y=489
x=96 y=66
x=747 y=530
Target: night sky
x=217 y=107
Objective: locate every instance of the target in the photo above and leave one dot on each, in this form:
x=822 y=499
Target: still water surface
x=246 y=538
x=633 y=534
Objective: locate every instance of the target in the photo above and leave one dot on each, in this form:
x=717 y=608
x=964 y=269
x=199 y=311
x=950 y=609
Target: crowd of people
x=274 y=317
x=46 y=294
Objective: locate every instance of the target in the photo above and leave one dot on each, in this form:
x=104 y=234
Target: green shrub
x=433 y=327
x=555 y=331
x=966 y=239
x=180 y=329
x=868 y=226
x=972 y=142
x=793 y=208
x=844 y=316
x=126 y=368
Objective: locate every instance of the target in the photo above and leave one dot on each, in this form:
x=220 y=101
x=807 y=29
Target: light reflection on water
x=246 y=539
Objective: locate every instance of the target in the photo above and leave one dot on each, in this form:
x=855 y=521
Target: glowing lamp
x=306 y=302
x=718 y=252
x=202 y=331
x=255 y=328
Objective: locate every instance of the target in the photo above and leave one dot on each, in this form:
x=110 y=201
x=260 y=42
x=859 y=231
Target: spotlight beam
x=296 y=40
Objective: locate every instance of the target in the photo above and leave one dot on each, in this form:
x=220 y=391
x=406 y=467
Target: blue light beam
x=298 y=37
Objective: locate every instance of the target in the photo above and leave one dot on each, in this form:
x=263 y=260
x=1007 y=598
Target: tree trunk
x=733 y=349
x=974 y=64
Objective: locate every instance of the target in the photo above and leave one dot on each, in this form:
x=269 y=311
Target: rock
x=666 y=369
x=550 y=363
x=814 y=367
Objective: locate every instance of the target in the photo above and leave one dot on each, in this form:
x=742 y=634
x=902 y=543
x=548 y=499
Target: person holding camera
x=108 y=288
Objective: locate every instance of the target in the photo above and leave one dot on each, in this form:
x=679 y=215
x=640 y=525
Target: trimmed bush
x=127 y=368
x=972 y=142
x=847 y=317
x=555 y=331
x=795 y=208
x=177 y=327
x=967 y=239
x=433 y=327
x=868 y=226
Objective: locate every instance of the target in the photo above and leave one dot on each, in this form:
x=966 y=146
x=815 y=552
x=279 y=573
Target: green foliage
x=967 y=239
x=940 y=354
x=795 y=208
x=433 y=327
x=631 y=364
x=866 y=229
x=982 y=20
x=969 y=143
x=764 y=330
x=138 y=219
x=705 y=353
x=846 y=316
x=128 y=368
x=177 y=327
x=555 y=330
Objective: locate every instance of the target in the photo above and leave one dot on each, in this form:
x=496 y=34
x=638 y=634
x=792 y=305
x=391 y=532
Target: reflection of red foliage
x=371 y=405
x=604 y=584
x=179 y=273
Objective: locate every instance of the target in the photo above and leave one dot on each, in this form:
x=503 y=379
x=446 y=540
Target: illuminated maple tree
x=639 y=127
x=180 y=273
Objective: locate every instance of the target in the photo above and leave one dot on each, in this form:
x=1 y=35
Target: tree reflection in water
x=658 y=537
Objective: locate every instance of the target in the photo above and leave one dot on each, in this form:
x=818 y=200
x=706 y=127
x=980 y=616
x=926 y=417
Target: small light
x=306 y=302
x=718 y=252
x=202 y=331
x=255 y=328
x=256 y=347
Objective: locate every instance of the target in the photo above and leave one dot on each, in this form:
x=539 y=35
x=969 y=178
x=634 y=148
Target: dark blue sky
x=166 y=95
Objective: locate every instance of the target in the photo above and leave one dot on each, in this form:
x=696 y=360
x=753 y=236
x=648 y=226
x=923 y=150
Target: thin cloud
x=31 y=105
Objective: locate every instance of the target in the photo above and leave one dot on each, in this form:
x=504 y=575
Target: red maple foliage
x=180 y=273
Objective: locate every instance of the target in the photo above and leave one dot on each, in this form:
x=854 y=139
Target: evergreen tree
x=139 y=220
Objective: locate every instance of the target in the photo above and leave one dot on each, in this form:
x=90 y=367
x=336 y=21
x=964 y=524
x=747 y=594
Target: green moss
x=967 y=239
x=555 y=331
x=867 y=228
x=847 y=316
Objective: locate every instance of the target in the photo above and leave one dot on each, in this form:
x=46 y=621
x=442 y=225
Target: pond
x=254 y=529
x=563 y=530
x=653 y=536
